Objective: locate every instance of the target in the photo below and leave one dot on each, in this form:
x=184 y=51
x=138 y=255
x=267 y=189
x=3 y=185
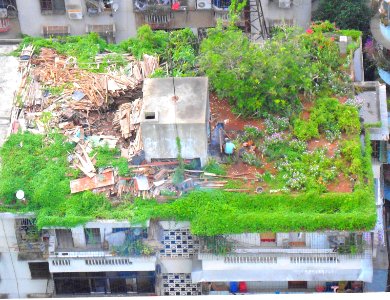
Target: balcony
x=285 y=256
x=221 y=5
x=320 y=266
x=125 y=249
x=152 y=6
x=96 y=7
x=223 y=15
x=103 y=261
x=158 y=20
x=33 y=244
x=295 y=242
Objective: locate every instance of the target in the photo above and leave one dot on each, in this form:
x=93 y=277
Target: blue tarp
x=387 y=191
x=384 y=75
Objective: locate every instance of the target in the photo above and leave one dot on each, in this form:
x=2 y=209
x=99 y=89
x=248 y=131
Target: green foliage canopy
x=347 y=14
x=258 y=80
x=38 y=165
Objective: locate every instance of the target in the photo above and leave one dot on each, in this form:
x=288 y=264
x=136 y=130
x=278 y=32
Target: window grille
x=106 y=32
x=49 y=31
x=297 y=284
x=49 y=7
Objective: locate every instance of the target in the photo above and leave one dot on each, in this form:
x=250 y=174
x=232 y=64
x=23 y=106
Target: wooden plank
x=87 y=158
x=161 y=163
x=86 y=183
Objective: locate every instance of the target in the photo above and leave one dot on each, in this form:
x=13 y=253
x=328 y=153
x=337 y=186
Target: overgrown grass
x=218 y=212
x=84 y=48
x=212 y=212
x=38 y=165
x=178 y=48
x=106 y=157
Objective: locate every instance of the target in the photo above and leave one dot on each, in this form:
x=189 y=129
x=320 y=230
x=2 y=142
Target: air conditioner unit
x=75 y=14
x=284 y=3
x=203 y=4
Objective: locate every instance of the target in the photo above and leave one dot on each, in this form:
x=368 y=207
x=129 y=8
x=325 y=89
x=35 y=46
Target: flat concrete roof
x=189 y=108
x=374 y=109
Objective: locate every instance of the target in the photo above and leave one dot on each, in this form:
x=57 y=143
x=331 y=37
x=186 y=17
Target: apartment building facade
x=116 y=20
x=109 y=257
x=164 y=258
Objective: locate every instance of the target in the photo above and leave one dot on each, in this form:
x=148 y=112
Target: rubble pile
x=95 y=109
x=127 y=120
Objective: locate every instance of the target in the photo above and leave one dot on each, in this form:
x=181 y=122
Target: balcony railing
x=159 y=20
x=126 y=243
x=105 y=263
x=336 y=242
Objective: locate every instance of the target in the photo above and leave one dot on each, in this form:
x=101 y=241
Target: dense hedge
x=218 y=212
x=38 y=165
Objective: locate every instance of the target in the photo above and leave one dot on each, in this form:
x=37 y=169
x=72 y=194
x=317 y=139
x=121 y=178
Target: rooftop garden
x=296 y=125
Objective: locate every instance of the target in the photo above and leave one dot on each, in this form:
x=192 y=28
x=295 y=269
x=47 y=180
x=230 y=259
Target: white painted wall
x=300 y=11
x=15 y=277
x=31 y=20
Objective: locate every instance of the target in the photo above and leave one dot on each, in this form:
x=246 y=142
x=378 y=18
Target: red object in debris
x=176 y=6
x=15 y=126
x=320 y=289
x=4 y=25
x=86 y=183
x=242 y=288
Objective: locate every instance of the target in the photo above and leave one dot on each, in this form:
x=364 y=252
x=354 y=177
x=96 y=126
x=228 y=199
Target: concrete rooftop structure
x=374 y=109
x=175 y=108
x=190 y=107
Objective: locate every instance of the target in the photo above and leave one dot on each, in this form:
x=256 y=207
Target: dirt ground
x=221 y=112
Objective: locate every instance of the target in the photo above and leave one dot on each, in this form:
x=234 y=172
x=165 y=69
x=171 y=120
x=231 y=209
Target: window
x=26 y=230
x=39 y=270
x=297 y=284
x=92 y=236
x=49 y=7
x=98 y=6
x=49 y=31
x=150 y=115
x=64 y=239
x=375 y=145
x=279 y=22
x=268 y=237
x=106 y=32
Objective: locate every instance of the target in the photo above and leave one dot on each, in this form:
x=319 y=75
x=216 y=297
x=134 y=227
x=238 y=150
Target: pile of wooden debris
x=56 y=93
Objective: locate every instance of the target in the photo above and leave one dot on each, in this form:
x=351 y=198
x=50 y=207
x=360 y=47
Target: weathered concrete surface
x=9 y=81
x=164 y=117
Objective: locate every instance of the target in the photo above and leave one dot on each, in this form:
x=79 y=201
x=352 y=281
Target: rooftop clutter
x=312 y=155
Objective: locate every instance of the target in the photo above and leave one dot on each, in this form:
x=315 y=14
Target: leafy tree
x=147 y=42
x=254 y=79
x=347 y=14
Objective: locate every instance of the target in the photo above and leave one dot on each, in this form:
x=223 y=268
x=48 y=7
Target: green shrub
x=305 y=130
x=214 y=167
x=106 y=157
x=252 y=159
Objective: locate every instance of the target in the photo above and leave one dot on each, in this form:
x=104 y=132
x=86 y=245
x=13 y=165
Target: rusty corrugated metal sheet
x=86 y=183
